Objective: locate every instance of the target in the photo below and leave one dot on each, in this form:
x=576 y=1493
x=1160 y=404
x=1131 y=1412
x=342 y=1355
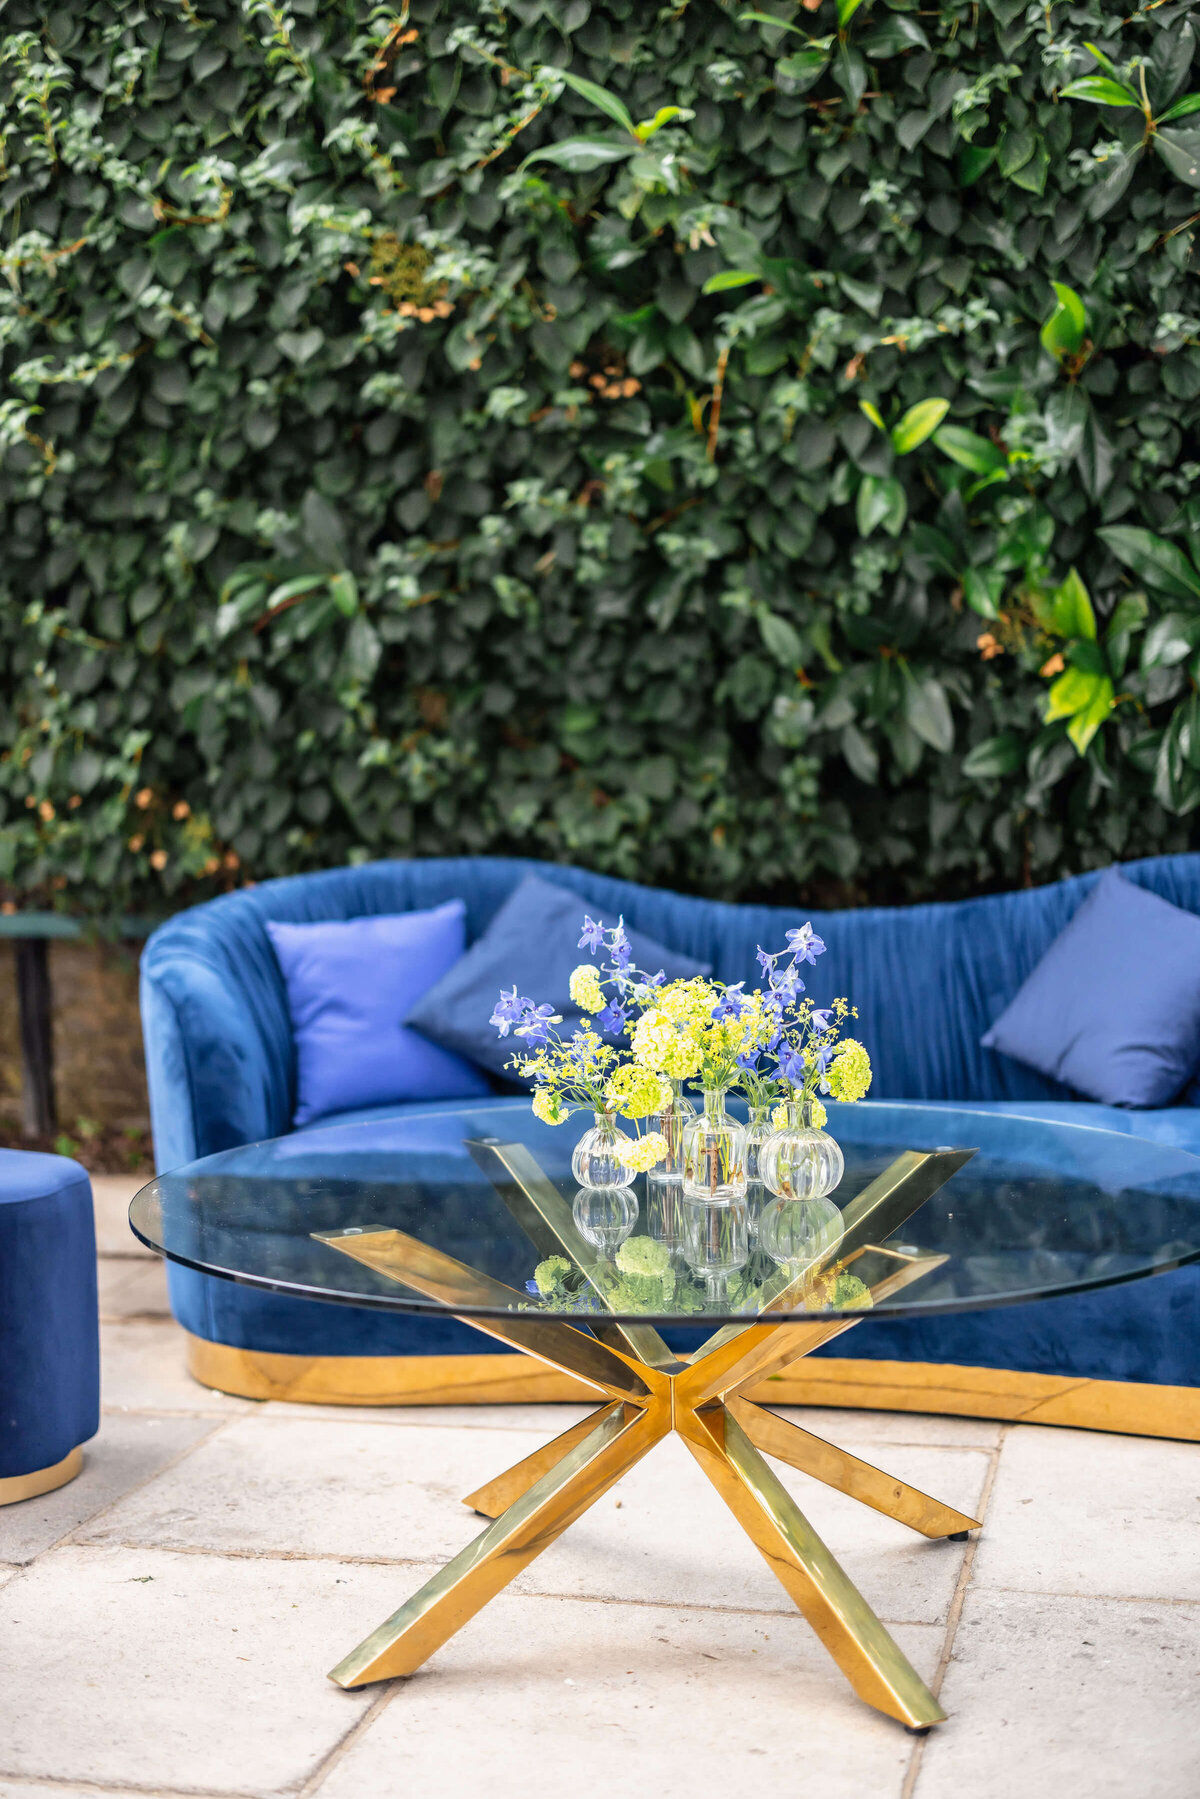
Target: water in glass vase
x=664 y=1182
x=714 y=1154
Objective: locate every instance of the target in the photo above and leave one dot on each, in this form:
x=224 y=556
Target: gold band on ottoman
x=15 y=1487
x=1132 y=1408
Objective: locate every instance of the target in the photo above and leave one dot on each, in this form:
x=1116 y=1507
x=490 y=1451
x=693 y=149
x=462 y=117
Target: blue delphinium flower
x=509 y=1011
x=786 y=987
x=804 y=944
x=593 y=934
x=791 y=1064
x=535 y=1025
x=765 y=960
x=731 y=1004
x=748 y=1060
x=612 y=1019
x=820 y=1020
x=622 y=949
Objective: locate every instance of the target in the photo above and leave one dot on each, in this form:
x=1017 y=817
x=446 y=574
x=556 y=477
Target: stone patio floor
x=166 y=1621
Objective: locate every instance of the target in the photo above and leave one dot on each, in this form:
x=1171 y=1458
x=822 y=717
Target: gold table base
x=649 y=1393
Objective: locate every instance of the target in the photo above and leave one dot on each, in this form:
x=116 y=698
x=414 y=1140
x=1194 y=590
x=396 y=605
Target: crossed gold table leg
x=650 y=1393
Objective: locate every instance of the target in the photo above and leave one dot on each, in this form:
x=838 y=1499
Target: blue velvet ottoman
x=49 y=1332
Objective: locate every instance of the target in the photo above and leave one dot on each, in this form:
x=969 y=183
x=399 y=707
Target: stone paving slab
x=1084 y=1512
x=125 y=1453
x=1054 y=1698
x=352 y=1490
x=132 y=1287
x=148 y=1669
x=143 y=1369
x=540 y=1698
x=111 y=1194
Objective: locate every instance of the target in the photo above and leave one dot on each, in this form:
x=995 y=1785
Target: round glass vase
x=796 y=1233
x=597 y=1161
x=715 y=1243
x=714 y=1154
x=605 y=1216
x=758 y=1130
x=801 y=1161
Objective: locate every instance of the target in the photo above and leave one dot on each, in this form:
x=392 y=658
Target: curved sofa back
x=927 y=979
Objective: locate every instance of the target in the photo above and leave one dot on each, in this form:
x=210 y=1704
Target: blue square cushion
x=533 y=941
x=349 y=984
x=1113 y=1007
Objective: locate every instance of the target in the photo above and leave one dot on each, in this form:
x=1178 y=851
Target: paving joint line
x=954 y=1614
x=342 y=1748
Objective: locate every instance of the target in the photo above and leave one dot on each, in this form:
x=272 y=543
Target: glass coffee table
x=472 y=1213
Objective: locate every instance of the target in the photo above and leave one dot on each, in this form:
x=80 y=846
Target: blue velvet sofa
x=927 y=980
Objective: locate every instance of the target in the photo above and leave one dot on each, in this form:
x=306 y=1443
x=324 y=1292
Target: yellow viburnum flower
x=549 y=1106
x=849 y=1074
x=636 y=1091
x=586 y=990
x=644 y=1152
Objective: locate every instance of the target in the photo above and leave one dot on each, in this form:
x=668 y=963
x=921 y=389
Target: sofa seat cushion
x=1178 y=1126
x=405 y=1108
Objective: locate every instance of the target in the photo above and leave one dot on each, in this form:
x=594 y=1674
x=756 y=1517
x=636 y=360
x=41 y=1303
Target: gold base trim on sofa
x=15 y=1487
x=1131 y=1408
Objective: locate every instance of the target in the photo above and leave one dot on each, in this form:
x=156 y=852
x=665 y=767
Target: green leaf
x=1101 y=91
x=982 y=590
x=928 y=711
x=1088 y=720
x=767 y=18
x=291 y=590
x=781 y=638
x=343 y=590
x=580 y=155
x=979 y=454
x=1180 y=150
x=1071 y=609
x=801 y=63
x=1170 y=641
x=1065 y=329
x=648 y=128
x=872 y=412
x=1074 y=690
x=1105 y=62
x=881 y=501
x=918 y=423
x=1188 y=104
x=862 y=758
x=600 y=97
x=846 y=10
x=727 y=278
x=995 y=757
x=973 y=159
x=1161 y=564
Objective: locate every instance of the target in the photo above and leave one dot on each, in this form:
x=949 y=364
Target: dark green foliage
x=762 y=464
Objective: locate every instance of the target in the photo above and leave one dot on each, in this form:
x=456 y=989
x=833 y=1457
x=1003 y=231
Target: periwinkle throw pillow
x=533 y=941
x=349 y=984
x=1113 y=1007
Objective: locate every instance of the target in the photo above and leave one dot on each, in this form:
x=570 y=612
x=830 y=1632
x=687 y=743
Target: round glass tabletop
x=473 y=1212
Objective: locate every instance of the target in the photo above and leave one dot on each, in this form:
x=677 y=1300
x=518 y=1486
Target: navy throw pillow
x=533 y=942
x=349 y=984
x=1113 y=1007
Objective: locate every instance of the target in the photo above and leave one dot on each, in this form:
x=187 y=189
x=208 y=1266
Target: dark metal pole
x=37 y=1041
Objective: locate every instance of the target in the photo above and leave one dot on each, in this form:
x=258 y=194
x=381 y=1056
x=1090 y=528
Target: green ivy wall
x=406 y=450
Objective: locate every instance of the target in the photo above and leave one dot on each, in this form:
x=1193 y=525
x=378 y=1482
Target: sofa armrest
x=214 y=1081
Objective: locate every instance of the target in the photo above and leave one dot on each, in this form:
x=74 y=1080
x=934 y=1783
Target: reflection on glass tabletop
x=473 y=1212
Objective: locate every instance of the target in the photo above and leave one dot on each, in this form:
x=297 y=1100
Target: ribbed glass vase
x=758 y=1130
x=801 y=1161
x=596 y=1161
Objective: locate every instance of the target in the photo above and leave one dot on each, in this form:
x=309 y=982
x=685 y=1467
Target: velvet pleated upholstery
x=927 y=980
x=49 y=1337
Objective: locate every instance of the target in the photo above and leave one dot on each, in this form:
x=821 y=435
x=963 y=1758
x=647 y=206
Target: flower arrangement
x=643 y=1033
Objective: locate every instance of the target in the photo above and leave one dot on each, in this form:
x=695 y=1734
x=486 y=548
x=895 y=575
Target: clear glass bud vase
x=757 y=1132
x=672 y=1121
x=801 y=1161
x=596 y=1161
x=796 y=1233
x=714 y=1154
x=605 y=1216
